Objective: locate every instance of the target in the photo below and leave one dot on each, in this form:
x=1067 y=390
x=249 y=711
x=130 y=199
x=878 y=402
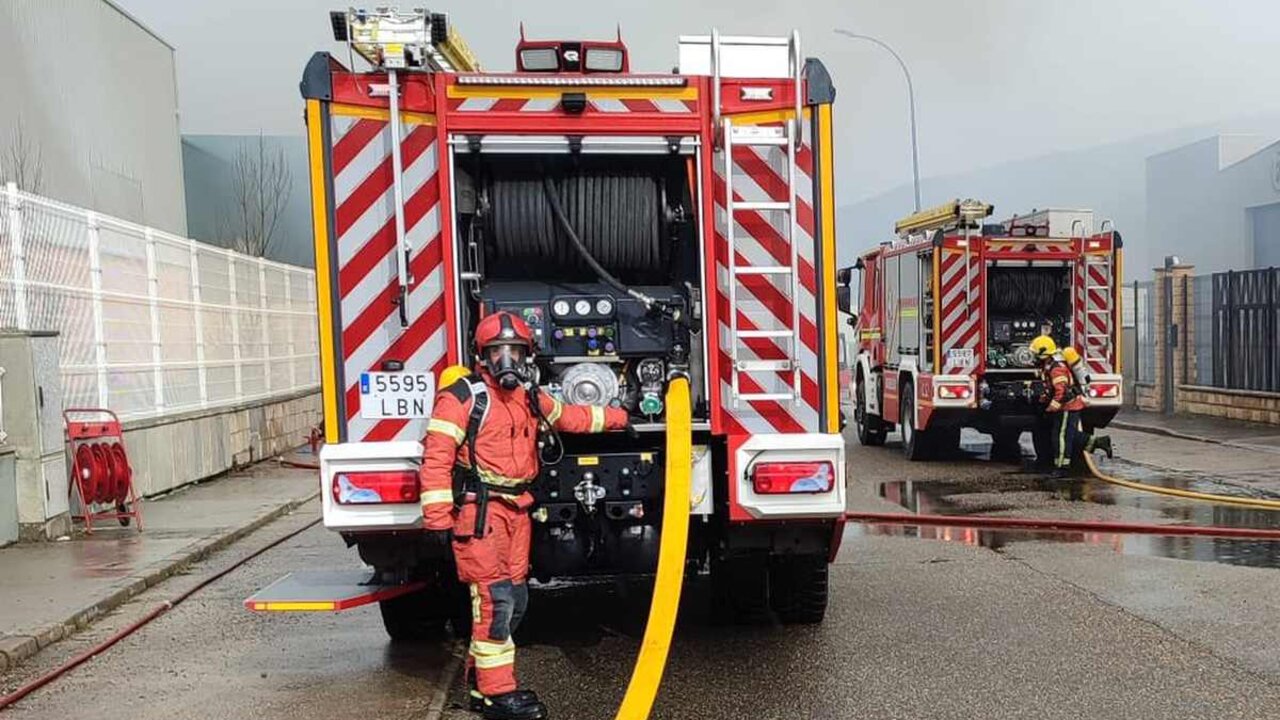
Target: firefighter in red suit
x=481 y=456
x=1065 y=404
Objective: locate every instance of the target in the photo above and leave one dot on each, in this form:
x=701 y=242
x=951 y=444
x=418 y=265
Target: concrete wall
x=95 y=95
x=170 y=452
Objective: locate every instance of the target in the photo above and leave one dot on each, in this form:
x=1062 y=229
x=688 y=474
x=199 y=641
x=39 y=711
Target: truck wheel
x=914 y=444
x=798 y=589
x=944 y=442
x=413 y=618
x=1006 y=446
x=871 y=430
x=740 y=591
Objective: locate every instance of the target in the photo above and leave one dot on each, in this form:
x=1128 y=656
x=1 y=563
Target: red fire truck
x=701 y=202
x=947 y=311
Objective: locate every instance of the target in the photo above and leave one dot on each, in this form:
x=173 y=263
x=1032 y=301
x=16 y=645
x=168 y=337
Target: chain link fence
x=150 y=323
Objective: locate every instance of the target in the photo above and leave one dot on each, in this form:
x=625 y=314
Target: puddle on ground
x=1022 y=494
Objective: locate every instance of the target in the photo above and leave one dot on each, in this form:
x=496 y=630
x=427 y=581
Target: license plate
x=960 y=356
x=396 y=395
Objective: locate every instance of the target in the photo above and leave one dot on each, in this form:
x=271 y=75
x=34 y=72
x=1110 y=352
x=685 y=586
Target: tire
x=871 y=431
x=944 y=442
x=740 y=591
x=411 y=619
x=914 y=444
x=1006 y=446
x=798 y=589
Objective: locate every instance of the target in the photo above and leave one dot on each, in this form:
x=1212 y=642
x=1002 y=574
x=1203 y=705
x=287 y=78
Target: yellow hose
x=1256 y=503
x=674 y=541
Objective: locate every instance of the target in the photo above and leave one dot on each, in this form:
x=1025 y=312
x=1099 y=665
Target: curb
x=16 y=648
x=1154 y=430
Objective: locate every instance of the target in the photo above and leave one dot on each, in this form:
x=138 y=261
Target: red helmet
x=504 y=345
x=503 y=328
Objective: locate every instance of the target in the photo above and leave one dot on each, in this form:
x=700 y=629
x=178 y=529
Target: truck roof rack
x=954 y=214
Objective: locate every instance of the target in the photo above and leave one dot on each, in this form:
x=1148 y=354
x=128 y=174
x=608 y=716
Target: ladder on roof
x=763 y=374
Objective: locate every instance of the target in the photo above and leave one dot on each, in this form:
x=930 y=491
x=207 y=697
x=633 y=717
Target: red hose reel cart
x=100 y=469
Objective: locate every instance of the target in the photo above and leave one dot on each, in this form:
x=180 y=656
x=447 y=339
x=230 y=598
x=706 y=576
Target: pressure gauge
x=560 y=308
x=582 y=307
x=604 y=306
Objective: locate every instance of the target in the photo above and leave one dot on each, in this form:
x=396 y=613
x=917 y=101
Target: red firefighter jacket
x=1064 y=396
x=506 y=444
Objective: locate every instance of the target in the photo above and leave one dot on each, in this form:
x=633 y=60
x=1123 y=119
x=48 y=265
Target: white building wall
x=1199 y=198
x=95 y=91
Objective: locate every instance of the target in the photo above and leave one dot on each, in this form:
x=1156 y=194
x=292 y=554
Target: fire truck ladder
x=789 y=137
x=1101 y=263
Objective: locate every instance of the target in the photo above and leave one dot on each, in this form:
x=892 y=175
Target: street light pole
x=911 y=100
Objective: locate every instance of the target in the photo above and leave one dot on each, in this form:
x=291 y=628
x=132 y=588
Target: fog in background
x=1005 y=89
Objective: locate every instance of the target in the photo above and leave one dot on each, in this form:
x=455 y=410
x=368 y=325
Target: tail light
x=953 y=391
x=366 y=488
x=1103 y=390
x=793 y=477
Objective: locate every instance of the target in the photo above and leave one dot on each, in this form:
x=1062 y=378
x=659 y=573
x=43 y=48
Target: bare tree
x=22 y=161
x=261 y=184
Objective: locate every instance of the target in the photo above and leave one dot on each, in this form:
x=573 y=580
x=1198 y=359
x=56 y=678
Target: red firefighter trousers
x=496 y=566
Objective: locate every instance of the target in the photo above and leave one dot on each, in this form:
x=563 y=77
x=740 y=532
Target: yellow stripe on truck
x=324 y=290
x=671 y=554
x=826 y=185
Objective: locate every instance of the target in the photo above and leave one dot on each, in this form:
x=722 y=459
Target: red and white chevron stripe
x=1097 y=313
x=550 y=104
x=763 y=302
x=367 y=273
x=961 y=325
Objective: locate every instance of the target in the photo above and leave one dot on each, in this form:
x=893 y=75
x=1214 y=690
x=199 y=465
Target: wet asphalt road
x=958 y=626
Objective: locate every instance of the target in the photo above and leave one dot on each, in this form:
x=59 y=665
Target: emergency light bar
x=954 y=213
x=575 y=80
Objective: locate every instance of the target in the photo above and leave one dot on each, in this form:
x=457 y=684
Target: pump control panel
x=586 y=320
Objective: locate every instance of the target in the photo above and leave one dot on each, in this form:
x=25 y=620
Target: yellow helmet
x=1043 y=347
x=1070 y=355
x=453 y=374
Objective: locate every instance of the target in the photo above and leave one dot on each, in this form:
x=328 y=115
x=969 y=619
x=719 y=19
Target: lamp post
x=911 y=99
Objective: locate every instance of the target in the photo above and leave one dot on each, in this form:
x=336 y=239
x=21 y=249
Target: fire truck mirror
x=844 y=298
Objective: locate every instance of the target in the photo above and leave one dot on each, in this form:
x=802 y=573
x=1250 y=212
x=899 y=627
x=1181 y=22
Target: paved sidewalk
x=50 y=590
x=1202 y=428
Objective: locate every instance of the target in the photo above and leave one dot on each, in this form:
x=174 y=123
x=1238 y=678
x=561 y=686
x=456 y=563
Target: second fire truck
x=946 y=313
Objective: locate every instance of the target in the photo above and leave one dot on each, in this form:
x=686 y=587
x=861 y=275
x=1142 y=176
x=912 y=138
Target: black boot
x=1103 y=443
x=515 y=705
x=476 y=698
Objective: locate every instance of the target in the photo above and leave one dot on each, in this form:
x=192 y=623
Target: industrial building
x=1216 y=203
x=90 y=115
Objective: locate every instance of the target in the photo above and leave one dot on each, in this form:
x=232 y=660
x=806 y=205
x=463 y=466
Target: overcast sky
x=995 y=80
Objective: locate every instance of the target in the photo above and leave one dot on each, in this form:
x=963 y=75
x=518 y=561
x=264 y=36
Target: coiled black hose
x=1017 y=292
x=617 y=215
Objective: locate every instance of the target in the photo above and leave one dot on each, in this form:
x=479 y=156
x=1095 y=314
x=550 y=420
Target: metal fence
x=1144 y=332
x=151 y=323
x=1244 y=312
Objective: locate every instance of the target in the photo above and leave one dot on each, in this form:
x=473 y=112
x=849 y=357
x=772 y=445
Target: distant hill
x=1110 y=179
